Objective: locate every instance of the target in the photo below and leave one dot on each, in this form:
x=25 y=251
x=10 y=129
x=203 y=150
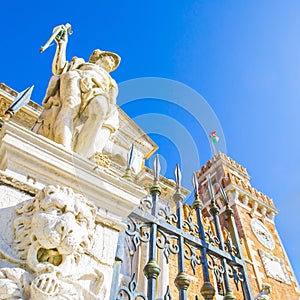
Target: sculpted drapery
x=80 y=103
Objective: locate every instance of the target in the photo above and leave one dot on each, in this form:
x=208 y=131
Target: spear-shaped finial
x=156 y=168
x=210 y=188
x=228 y=210
x=21 y=100
x=195 y=184
x=130 y=158
x=178 y=197
x=224 y=196
x=213 y=208
x=197 y=204
x=177 y=177
x=155 y=189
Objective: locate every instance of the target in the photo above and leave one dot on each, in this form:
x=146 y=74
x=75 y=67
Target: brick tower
x=266 y=260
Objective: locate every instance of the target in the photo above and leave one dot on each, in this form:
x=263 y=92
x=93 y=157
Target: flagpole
x=213 y=139
x=213 y=147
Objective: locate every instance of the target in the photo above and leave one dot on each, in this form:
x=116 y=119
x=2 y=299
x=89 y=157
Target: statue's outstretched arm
x=59 y=62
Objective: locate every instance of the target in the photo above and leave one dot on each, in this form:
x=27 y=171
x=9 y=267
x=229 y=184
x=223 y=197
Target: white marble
x=24 y=153
x=118 y=143
x=264 y=292
x=274 y=267
x=60 y=249
x=80 y=103
x=63 y=241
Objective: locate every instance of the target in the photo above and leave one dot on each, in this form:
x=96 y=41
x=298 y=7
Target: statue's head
x=266 y=288
x=107 y=60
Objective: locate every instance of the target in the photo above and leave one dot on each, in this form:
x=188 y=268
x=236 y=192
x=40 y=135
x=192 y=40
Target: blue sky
x=242 y=57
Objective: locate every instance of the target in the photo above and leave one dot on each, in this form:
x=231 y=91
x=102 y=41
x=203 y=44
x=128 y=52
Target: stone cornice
x=248 y=189
x=253 y=205
x=128 y=133
x=17 y=184
x=24 y=153
x=249 y=200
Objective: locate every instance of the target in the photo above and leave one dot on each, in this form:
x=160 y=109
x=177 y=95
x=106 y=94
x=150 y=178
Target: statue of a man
x=80 y=102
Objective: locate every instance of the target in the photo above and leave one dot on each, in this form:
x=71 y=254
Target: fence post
x=181 y=281
x=215 y=214
x=207 y=290
x=235 y=239
x=117 y=267
x=151 y=269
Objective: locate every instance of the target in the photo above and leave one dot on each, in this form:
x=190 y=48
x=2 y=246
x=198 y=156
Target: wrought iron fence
x=154 y=231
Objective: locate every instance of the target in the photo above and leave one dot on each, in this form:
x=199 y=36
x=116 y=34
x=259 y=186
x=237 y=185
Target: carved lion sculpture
x=264 y=292
x=54 y=238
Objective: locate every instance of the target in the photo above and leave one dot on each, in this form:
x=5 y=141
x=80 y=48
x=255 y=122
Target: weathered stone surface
x=116 y=147
x=57 y=245
x=80 y=103
x=51 y=261
x=264 y=292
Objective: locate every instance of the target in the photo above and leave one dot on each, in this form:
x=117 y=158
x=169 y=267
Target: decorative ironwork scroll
x=187 y=243
x=190 y=255
x=215 y=264
x=130 y=292
x=190 y=226
x=168 y=243
x=139 y=232
x=166 y=213
x=236 y=273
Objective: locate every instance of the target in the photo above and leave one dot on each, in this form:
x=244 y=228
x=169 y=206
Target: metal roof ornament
x=21 y=99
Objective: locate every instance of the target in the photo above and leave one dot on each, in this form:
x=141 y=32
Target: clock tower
x=268 y=266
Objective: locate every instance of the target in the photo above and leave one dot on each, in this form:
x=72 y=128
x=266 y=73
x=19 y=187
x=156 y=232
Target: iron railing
x=153 y=228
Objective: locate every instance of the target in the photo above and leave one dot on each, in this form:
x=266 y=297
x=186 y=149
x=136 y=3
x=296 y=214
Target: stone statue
x=264 y=292
x=53 y=254
x=80 y=103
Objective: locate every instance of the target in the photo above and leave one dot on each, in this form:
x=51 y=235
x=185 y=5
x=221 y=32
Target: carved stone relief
x=274 y=267
x=53 y=254
x=80 y=102
x=264 y=292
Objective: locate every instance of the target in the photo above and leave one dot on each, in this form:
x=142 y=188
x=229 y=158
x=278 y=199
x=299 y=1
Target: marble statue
x=264 y=292
x=53 y=254
x=80 y=103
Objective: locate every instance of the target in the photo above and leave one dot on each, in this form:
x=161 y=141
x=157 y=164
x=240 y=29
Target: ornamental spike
x=178 y=176
x=195 y=183
x=21 y=100
x=156 y=168
x=130 y=157
x=210 y=187
x=224 y=196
